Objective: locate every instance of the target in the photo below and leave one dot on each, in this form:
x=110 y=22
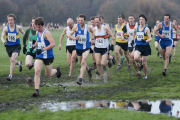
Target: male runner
x=44 y=54
x=166 y=42
x=70 y=45
x=29 y=41
x=11 y=40
x=82 y=38
x=142 y=48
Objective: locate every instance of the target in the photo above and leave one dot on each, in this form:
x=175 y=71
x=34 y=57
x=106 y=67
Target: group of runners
x=131 y=39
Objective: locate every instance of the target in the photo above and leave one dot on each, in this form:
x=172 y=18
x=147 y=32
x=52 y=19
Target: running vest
x=83 y=42
x=101 y=38
x=12 y=38
x=141 y=35
x=174 y=34
x=31 y=41
x=42 y=43
x=167 y=31
x=130 y=32
x=69 y=42
x=118 y=32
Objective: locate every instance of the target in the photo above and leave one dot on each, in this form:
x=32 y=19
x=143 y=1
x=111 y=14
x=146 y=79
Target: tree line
x=58 y=11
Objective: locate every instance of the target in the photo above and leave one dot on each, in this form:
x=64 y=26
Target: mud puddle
x=170 y=107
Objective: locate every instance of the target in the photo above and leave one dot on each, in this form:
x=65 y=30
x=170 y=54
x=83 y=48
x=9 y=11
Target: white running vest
x=130 y=32
x=69 y=42
x=101 y=41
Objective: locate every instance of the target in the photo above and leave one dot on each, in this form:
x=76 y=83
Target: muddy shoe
x=145 y=77
x=109 y=64
x=118 y=67
x=30 y=67
x=122 y=60
x=20 y=66
x=58 y=74
x=138 y=74
x=113 y=60
x=89 y=73
x=35 y=94
x=79 y=82
x=164 y=73
x=9 y=78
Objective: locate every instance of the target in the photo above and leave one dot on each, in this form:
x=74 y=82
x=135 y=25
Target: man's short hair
x=121 y=16
x=82 y=16
x=39 y=21
x=11 y=15
x=101 y=17
x=98 y=18
x=167 y=14
x=92 y=18
x=143 y=16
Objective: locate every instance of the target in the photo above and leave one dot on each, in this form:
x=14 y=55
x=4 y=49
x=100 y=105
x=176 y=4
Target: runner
x=175 y=37
x=29 y=40
x=82 y=35
x=157 y=38
x=142 y=48
x=111 y=46
x=101 y=34
x=11 y=40
x=44 y=54
x=121 y=43
x=166 y=42
x=93 y=25
x=70 y=46
x=130 y=32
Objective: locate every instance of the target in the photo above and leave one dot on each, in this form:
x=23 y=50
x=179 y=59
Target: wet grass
x=123 y=85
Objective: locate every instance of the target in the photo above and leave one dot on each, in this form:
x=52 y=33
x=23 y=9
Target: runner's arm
x=3 y=35
x=61 y=38
x=109 y=31
x=49 y=37
x=134 y=34
x=21 y=30
x=147 y=31
x=75 y=28
x=157 y=28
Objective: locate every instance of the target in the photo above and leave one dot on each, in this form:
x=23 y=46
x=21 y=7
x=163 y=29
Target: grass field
x=123 y=85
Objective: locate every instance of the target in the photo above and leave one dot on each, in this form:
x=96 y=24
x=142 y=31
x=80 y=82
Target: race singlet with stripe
x=101 y=38
x=130 y=31
x=167 y=30
x=140 y=36
x=118 y=30
x=83 y=42
x=69 y=42
x=12 y=38
x=42 y=43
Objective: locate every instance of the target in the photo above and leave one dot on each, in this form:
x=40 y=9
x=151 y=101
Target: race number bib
x=12 y=37
x=30 y=44
x=40 y=45
x=82 y=39
x=99 y=42
x=119 y=34
x=166 y=33
x=140 y=36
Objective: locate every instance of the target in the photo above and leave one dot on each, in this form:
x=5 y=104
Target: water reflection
x=170 y=107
